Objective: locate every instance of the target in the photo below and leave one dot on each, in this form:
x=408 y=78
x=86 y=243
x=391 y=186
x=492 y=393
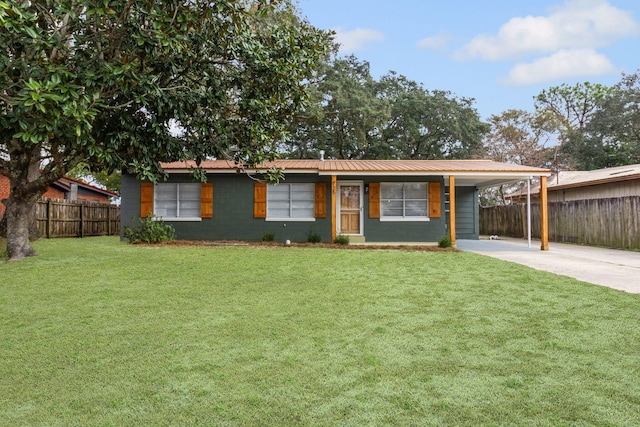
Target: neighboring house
x=620 y=181
x=368 y=200
x=64 y=189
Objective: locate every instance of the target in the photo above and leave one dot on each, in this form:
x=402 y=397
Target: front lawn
x=97 y=332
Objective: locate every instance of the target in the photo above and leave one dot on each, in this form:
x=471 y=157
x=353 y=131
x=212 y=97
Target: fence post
x=48 y=223
x=109 y=220
x=81 y=219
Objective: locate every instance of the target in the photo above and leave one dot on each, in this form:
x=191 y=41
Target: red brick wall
x=4 y=192
x=54 y=193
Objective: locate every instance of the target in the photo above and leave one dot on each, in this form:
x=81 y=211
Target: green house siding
x=467 y=213
x=129 y=202
x=233 y=213
x=403 y=231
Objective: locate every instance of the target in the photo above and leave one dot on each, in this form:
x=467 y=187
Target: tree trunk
x=3 y=224
x=26 y=185
x=18 y=215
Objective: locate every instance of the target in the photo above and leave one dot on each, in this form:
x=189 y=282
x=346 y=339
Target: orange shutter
x=206 y=200
x=146 y=199
x=434 y=200
x=374 y=200
x=320 y=210
x=260 y=200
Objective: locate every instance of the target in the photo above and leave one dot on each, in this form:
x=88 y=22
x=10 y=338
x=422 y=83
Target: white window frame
x=312 y=189
x=404 y=217
x=177 y=199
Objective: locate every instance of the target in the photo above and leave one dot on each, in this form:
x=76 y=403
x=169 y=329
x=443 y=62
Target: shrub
x=341 y=240
x=150 y=230
x=314 y=237
x=268 y=237
x=445 y=242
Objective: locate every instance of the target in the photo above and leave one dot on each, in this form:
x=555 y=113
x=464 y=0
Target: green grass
x=97 y=332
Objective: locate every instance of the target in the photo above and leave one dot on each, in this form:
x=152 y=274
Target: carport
x=493 y=178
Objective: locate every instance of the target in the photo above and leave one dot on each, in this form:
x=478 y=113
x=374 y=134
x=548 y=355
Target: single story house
x=72 y=189
x=64 y=189
x=367 y=200
x=564 y=186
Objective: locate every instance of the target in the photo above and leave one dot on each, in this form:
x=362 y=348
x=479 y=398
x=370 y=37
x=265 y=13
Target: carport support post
x=334 y=218
x=544 y=215
x=452 y=209
x=529 y=211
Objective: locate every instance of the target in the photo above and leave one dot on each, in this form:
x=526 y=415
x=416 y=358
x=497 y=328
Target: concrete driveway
x=613 y=268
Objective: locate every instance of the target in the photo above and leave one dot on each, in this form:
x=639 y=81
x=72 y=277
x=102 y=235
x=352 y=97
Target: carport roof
x=478 y=173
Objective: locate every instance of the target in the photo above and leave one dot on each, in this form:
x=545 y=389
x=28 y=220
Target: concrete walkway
x=613 y=268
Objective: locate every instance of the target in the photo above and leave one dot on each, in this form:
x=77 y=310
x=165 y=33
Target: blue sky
x=500 y=52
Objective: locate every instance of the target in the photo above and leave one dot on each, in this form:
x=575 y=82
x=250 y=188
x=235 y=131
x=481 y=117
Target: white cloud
x=439 y=41
x=578 y=24
x=561 y=65
x=354 y=40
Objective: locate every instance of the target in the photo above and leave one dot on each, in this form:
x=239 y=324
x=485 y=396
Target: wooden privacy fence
x=63 y=218
x=613 y=223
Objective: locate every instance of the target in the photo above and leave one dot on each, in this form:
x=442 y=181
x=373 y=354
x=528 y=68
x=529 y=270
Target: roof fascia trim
x=497 y=174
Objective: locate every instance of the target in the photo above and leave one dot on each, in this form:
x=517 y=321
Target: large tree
x=612 y=137
x=568 y=110
x=424 y=124
x=127 y=84
x=346 y=115
x=358 y=117
x=517 y=137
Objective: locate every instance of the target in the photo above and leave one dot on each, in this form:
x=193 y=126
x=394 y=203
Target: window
x=291 y=201
x=404 y=201
x=177 y=200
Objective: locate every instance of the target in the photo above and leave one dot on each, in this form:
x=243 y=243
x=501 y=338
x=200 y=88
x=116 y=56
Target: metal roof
x=574 y=179
x=479 y=173
x=566 y=179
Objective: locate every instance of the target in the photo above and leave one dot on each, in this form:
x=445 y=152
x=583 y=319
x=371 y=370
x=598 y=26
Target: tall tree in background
x=105 y=83
x=568 y=110
x=346 y=117
x=517 y=137
x=612 y=137
x=357 y=117
x=425 y=124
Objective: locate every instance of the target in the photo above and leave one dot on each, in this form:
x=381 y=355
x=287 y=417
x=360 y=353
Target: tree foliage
x=344 y=119
x=427 y=124
x=356 y=117
x=612 y=137
x=596 y=125
x=517 y=137
x=110 y=181
x=567 y=110
x=108 y=82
